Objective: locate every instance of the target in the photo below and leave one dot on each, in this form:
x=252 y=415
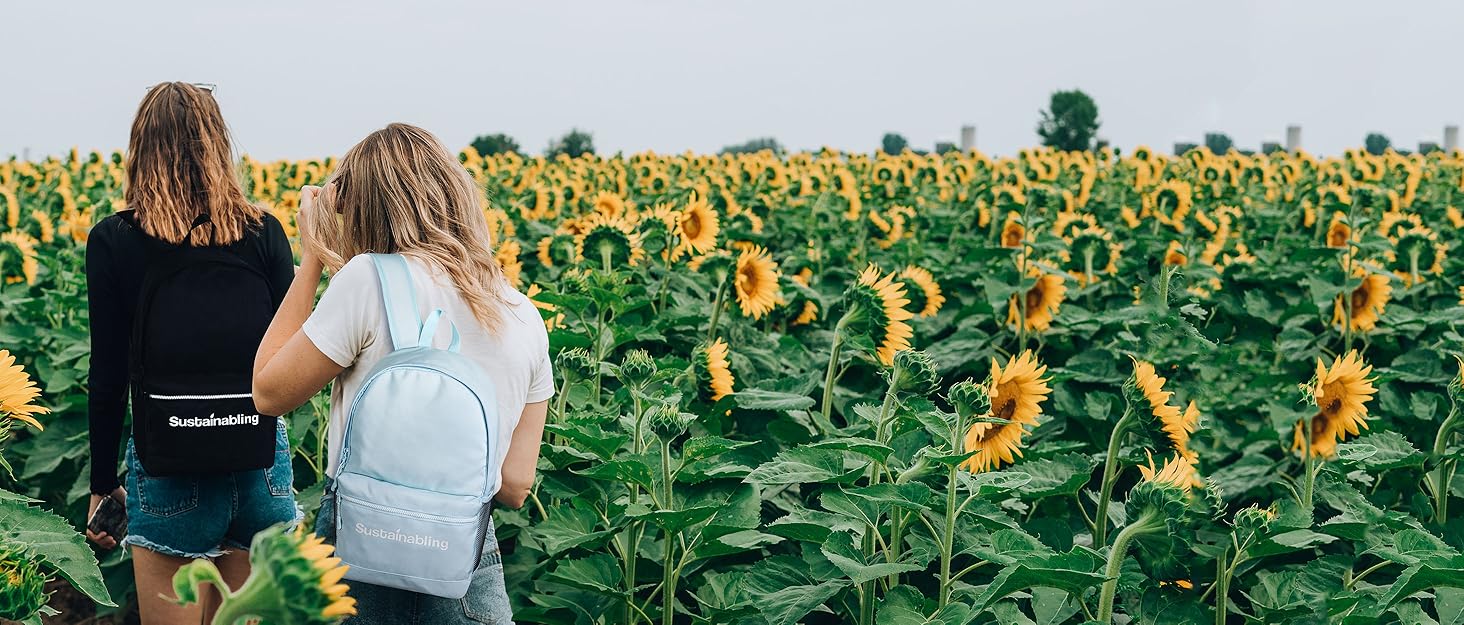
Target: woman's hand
x=103 y=539
x=305 y=221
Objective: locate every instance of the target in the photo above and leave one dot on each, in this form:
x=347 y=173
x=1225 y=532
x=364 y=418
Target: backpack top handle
x=399 y=296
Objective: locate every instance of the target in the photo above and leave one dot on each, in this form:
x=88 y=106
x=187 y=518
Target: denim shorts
x=486 y=601
x=201 y=516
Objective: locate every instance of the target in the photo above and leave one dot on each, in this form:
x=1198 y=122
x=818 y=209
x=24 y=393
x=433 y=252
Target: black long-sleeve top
x=114 y=267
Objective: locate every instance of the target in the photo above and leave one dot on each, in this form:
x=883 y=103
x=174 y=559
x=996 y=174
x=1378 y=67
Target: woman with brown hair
x=181 y=286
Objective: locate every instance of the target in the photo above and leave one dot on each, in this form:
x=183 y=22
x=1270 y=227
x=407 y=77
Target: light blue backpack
x=412 y=485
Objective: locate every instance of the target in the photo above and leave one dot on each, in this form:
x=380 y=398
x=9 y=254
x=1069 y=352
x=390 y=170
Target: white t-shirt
x=349 y=327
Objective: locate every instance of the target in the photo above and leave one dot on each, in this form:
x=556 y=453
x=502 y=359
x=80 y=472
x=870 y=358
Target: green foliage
x=499 y=143
x=1070 y=121
x=893 y=143
x=1376 y=143
x=1218 y=142
x=755 y=145
x=574 y=144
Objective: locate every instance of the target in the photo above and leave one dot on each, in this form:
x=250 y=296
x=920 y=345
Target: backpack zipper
x=197 y=397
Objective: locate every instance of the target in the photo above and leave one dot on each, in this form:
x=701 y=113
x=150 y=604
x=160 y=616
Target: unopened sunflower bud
x=576 y=364
x=22 y=586
x=667 y=421
x=1253 y=518
x=914 y=372
x=637 y=367
x=969 y=398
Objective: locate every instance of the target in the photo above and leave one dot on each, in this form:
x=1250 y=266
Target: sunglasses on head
x=206 y=86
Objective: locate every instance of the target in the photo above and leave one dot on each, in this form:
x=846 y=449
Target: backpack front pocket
x=192 y=433
x=430 y=546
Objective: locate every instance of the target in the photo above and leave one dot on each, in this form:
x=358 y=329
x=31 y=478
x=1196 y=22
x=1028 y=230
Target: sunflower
x=715 y=369
x=24 y=251
x=1177 y=472
x=551 y=322
x=1170 y=203
x=1163 y=418
x=612 y=242
x=696 y=227
x=1341 y=393
x=558 y=249
x=1007 y=196
x=1041 y=301
x=1367 y=301
x=507 y=255
x=1338 y=232
x=808 y=315
x=756 y=281
x=1174 y=254
x=880 y=303
x=1416 y=251
x=609 y=205
x=1012 y=232
x=1088 y=244
x=17 y=391
x=923 y=291
x=1016 y=392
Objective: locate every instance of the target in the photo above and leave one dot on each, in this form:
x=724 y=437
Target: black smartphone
x=110 y=518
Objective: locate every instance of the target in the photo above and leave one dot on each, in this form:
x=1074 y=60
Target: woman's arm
x=523 y=456
x=107 y=374
x=289 y=369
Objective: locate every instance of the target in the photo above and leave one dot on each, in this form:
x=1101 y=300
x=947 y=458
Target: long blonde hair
x=399 y=191
x=180 y=165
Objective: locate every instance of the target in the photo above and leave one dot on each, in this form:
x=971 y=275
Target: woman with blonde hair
x=400 y=192
x=181 y=286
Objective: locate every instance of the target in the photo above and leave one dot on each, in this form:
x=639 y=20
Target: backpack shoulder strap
x=399 y=297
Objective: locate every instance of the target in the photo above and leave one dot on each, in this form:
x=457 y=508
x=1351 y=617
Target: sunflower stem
x=948 y=535
x=1110 y=472
x=632 y=531
x=668 y=577
x=1144 y=525
x=827 y=405
x=716 y=311
x=1222 y=588
x=1444 y=473
x=1309 y=465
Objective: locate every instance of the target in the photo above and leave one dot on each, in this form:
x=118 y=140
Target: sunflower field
x=824 y=387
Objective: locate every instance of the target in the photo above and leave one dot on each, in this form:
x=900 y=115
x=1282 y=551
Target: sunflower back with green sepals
x=22 y=585
x=914 y=373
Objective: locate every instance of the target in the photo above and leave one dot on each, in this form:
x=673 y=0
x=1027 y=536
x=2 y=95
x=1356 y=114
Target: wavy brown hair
x=399 y=191
x=180 y=165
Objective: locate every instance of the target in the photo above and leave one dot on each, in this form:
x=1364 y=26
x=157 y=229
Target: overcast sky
x=298 y=79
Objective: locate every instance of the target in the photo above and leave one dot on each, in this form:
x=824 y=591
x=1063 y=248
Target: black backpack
x=201 y=314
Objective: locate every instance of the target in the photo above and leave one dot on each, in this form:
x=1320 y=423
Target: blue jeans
x=200 y=516
x=486 y=601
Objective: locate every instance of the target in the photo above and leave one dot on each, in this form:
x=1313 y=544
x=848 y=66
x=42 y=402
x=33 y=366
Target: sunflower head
x=22 y=584
x=1168 y=428
x=1039 y=306
x=1340 y=393
x=608 y=243
x=558 y=250
x=1177 y=472
x=293 y=579
x=756 y=282
x=1016 y=392
x=969 y=398
x=17 y=392
x=637 y=367
x=1338 y=232
x=1364 y=307
x=667 y=421
x=609 y=205
x=575 y=364
x=697 y=227
x=713 y=369
x=913 y=372
x=1012 y=231
x=923 y=291
x=877 y=305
